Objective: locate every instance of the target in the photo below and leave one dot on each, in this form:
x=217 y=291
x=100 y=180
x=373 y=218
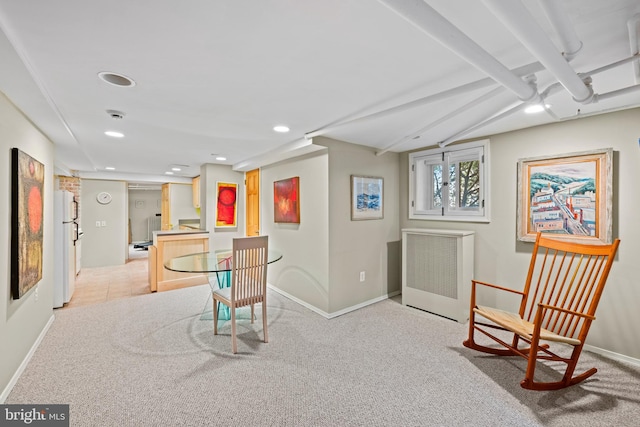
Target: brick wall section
x=74 y=185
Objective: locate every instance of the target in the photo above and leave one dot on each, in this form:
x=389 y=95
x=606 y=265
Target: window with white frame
x=450 y=183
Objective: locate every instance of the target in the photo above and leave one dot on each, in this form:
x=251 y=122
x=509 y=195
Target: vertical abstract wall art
x=27 y=185
x=226 y=204
x=366 y=197
x=286 y=200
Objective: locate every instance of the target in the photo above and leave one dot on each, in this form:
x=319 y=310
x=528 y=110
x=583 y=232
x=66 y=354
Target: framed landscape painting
x=366 y=197
x=568 y=196
x=27 y=184
x=226 y=204
x=286 y=200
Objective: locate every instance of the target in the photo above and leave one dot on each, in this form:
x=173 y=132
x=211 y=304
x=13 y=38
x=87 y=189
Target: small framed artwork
x=226 y=204
x=27 y=185
x=139 y=204
x=366 y=197
x=286 y=200
x=568 y=196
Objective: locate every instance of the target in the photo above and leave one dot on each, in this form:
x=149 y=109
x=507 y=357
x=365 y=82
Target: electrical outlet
x=362 y=276
x=97 y=223
x=103 y=223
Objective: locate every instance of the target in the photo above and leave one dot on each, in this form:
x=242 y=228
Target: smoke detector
x=114 y=114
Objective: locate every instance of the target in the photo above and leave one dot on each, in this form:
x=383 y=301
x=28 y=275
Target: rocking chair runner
x=558 y=304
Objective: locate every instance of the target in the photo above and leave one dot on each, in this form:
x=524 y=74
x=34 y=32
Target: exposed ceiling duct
x=633 y=26
x=519 y=21
x=435 y=25
x=525 y=70
x=557 y=16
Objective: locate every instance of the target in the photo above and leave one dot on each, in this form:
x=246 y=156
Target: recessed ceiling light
x=220 y=158
x=116 y=79
x=281 y=128
x=168 y=173
x=536 y=108
x=110 y=168
x=114 y=134
x=176 y=169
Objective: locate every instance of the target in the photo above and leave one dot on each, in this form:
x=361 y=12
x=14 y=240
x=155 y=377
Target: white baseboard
x=612 y=355
x=335 y=313
x=25 y=361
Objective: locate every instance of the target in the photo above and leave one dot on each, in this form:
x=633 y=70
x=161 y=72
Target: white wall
x=303 y=271
x=142 y=205
x=324 y=254
x=501 y=259
x=105 y=245
x=372 y=246
x=23 y=320
x=181 y=203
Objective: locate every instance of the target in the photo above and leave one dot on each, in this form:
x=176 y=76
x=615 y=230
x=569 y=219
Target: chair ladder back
x=249 y=276
x=568 y=276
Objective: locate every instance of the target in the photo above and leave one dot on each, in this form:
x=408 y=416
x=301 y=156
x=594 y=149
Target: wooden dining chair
x=248 y=283
x=557 y=305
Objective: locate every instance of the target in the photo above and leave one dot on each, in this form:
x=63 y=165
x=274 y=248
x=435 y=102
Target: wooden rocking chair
x=558 y=304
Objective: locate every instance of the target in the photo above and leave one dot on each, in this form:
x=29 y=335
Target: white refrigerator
x=65 y=234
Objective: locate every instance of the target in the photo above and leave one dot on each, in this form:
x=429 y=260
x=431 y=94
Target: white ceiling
x=214 y=76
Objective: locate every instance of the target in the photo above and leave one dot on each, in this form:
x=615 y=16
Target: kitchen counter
x=177 y=232
x=189 y=224
x=168 y=244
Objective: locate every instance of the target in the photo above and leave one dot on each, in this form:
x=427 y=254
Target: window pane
x=452 y=186
x=449 y=183
x=469 y=184
x=436 y=172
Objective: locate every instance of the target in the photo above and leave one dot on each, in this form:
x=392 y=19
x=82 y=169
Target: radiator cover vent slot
x=437 y=268
x=433 y=268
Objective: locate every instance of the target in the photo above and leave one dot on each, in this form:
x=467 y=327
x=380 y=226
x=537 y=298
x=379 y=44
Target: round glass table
x=219 y=262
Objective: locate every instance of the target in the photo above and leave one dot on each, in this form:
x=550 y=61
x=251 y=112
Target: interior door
x=252 y=181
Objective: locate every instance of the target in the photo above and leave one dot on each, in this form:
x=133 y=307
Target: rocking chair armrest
x=564 y=310
x=474 y=282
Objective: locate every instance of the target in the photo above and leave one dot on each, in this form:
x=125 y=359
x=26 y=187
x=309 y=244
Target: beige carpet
x=152 y=361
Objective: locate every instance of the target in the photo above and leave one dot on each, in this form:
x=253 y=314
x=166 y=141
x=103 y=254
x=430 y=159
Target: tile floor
x=96 y=285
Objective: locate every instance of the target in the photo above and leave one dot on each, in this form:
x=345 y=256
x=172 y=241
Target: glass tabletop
x=210 y=262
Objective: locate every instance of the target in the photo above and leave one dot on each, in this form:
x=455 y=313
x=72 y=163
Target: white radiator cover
x=437 y=268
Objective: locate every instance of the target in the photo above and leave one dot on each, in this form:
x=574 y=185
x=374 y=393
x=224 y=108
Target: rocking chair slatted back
x=558 y=304
x=567 y=275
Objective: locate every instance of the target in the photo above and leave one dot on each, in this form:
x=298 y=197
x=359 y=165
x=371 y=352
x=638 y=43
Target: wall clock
x=103 y=198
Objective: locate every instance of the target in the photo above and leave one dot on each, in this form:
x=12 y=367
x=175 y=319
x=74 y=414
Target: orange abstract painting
x=286 y=200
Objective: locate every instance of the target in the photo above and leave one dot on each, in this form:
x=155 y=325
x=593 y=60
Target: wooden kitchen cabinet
x=165 y=208
x=195 y=187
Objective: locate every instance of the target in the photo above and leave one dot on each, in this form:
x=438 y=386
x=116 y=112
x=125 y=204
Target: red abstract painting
x=286 y=200
x=26 y=222
x=226 y=204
